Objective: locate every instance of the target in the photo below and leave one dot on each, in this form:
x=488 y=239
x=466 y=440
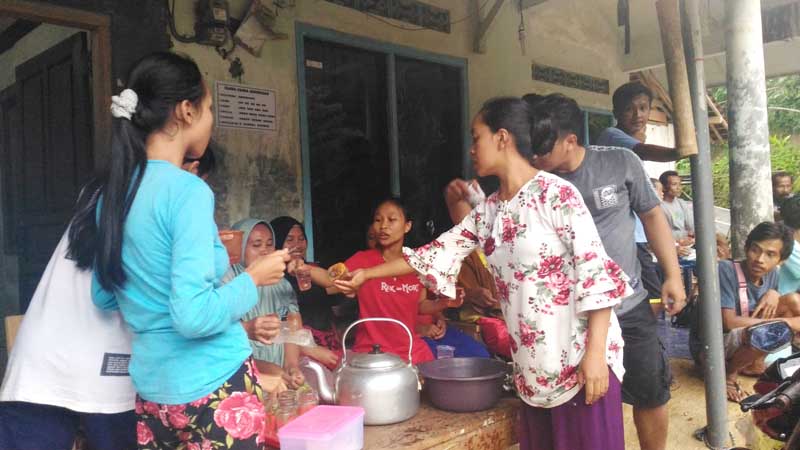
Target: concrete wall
x=261 y=172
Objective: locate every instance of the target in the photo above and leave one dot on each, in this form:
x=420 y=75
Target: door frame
x=99 y=27
x=586 y=110
x=391 y=51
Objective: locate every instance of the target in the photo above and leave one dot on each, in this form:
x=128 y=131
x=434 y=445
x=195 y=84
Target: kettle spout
x=320 y=378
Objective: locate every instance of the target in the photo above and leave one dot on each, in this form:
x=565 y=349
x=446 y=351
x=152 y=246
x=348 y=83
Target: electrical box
x=211 y=27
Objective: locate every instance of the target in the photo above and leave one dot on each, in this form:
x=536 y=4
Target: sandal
x=735 y=392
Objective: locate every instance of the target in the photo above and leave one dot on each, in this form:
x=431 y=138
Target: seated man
x=781 y=191
x=766 y=246
x=679 y=211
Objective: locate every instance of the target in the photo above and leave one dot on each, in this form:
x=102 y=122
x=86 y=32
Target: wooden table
x=431 y=428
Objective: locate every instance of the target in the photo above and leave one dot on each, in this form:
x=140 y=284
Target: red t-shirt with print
x=395 y=298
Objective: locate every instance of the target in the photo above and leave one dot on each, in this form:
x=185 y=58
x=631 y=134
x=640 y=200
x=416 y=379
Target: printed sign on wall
x=245 y=107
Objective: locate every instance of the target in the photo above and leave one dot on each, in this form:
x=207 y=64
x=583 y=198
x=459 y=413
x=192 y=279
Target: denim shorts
x=647 y=371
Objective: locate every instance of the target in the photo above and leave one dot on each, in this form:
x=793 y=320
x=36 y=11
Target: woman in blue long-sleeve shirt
x=158 y=259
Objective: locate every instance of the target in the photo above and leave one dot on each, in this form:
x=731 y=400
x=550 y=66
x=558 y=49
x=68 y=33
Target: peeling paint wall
x=260 y=174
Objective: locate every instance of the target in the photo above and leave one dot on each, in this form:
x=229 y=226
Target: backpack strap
x=744 y=303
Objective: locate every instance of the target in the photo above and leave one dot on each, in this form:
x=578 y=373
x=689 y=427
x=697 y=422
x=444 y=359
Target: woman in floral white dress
x=556 y=286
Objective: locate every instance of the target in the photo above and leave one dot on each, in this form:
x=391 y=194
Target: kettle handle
x=376 y=319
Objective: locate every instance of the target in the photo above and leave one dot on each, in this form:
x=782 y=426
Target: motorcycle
x=775 y=406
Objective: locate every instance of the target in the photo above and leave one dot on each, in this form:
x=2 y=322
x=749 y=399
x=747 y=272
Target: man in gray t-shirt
x=615 y=187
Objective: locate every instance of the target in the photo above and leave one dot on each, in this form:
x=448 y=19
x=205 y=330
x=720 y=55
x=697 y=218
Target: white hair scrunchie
x=124 y=104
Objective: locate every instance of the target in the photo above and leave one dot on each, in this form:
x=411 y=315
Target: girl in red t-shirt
x=400 y=298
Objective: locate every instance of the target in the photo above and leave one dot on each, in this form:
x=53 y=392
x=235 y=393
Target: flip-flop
x=737 y=389
x=701 y=434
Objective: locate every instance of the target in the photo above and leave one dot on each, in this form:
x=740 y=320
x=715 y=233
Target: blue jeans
x=31 y=426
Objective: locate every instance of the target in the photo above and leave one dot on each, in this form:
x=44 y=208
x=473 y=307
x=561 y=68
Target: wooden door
x=346 y=95
x=431 y=140
x=10 y=143
x=55 y=155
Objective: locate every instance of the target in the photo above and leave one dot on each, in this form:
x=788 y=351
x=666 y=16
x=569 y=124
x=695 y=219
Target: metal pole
x=710 y=313
x=751 y=189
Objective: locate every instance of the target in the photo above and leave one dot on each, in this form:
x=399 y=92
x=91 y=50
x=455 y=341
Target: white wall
x=576 y=42
x=663 y=135
x=40 y=39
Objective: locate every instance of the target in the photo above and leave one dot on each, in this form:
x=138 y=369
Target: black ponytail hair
x=553 y=117
x=161 y=81
x=513 y=115
x=83 y=226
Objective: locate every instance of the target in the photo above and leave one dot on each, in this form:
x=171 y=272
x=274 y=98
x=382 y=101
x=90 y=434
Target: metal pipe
x=751 y=189
x=709 y=304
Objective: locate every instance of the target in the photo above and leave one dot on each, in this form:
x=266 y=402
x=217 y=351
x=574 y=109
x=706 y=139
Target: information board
x=245 y=107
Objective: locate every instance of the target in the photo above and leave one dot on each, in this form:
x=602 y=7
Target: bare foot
x=756 y=369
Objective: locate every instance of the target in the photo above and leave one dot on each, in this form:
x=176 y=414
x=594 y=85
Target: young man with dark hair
x=766 y=246
x=614 y=186
x=632 y=110
x=679 y=211
x=781 y=191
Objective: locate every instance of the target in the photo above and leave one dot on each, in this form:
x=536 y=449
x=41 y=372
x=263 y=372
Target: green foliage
x=783 y=103
x=782 y=92
x=783 y=156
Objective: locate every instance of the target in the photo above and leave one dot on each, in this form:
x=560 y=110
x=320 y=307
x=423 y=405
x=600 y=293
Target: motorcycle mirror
x=770 y=337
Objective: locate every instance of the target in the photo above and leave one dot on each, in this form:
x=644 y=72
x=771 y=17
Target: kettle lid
x=376 y=359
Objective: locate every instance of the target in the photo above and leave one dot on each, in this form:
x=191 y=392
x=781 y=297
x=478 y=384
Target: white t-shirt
x=68 y=352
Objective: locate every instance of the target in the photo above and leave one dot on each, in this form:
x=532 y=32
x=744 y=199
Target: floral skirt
x=232 y=417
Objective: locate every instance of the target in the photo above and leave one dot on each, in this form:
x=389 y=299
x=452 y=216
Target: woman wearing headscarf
x=315 y=304
x=274 y=300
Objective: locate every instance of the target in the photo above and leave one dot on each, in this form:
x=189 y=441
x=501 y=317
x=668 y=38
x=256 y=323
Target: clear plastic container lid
x=321 y=422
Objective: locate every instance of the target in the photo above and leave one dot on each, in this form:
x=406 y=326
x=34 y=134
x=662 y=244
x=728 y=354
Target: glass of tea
x=303 y=275
x=232 y=240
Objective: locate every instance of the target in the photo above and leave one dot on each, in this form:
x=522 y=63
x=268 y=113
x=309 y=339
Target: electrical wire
x=522 y=34
x=171 y=20
x=405 y=28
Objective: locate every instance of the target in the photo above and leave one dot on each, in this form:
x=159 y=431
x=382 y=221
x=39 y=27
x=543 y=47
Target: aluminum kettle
x=383 y=384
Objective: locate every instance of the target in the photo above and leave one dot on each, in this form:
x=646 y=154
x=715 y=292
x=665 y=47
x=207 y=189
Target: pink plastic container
x=325 y=428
